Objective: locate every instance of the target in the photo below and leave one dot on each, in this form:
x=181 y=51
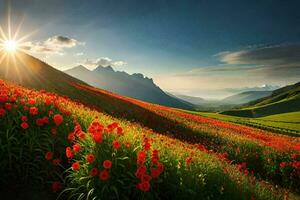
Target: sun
x=10 y=45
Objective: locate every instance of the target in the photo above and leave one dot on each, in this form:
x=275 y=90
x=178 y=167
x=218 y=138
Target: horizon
x=191 y=48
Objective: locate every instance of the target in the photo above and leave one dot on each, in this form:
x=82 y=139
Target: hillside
x=245 y=97
x=61 y=149
x=221 y=139
x=136 y=85
x=283 y=100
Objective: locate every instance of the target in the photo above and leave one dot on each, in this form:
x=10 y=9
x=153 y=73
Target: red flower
x=97 y=137
x=58 y=119
x=90 y=158
x=71 y=137
x=31 y=101
x=2 y=112
x=39 y=122
x=56 y=162
x=24 y=125
x=107 y=164
x=53 y=131
x=8 y=106
x=94 y=172
x=69 y=153
x=141 y=171
x=116 y=144
x=146 y=144
x=56 y=186
x=76 y=147
x=33 y=110
x=141 y=157
x=282 y=165
x=120 y=131
x=188 y=160
x=24 y=119
x=144 y=186
x=103 y=175
x=49 y=155
x=155 y=173
x=81 y=135
x=76 y=166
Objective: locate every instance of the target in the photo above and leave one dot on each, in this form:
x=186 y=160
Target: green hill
x=283 y=100
x=245 y=97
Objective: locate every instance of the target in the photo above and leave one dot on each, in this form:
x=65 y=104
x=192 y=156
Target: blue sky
x=190 y=47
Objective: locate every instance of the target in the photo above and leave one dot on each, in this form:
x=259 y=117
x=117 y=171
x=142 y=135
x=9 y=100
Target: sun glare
x=10 y=45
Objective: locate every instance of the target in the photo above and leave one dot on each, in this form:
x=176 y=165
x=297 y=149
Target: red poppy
x=71 y=137
x=33 y=110
x=24 y=125
x=39 y=122
x=120 y=131
x=155 y=173
x=8 y=106
x=31 y=101
x=56 y=162
x=107 y=164
x=58 y=119
x=53 y=131
x=94 y=172
x=76 y=166
x=24 y=118
x=116 y=144
x=69 y=153
x=141 y=157
x=56 y=186
x=81 y=135
x=76 y=147
x=103 y=175
x=2 y=112
x=144 y=186
x=49 y=155
x=97 y=137
x=90 y=158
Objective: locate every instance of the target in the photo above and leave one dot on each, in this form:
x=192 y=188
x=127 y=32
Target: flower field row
x=83 y=153
x=269 y=156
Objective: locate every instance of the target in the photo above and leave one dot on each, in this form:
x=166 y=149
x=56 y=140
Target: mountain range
x=136 y=85
x=282 y=100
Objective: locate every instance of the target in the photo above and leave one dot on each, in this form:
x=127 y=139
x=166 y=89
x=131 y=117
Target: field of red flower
x=268 y=156
x=56 y=144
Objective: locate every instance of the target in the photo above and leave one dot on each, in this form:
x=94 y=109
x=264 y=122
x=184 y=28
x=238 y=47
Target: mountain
x=193 y=100
x=33 y=73
x=135 y=85
x=282 y=100
x=245 y=97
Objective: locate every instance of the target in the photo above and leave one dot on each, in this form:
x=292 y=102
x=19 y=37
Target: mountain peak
x=78 y=68
x=101 y=68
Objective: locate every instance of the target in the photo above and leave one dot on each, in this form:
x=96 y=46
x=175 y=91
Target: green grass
x=286 y=123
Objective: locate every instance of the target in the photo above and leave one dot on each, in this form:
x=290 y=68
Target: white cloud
x=104 y=61
x=53 y=45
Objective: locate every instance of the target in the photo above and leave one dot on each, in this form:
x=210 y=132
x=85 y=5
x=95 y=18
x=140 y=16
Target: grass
x=286 y=123
x=187 y=171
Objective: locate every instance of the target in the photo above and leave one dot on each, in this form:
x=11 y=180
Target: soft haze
x=198 y=48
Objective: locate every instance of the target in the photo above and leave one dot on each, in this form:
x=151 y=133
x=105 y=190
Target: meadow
x=68 y=150
x=285 y=123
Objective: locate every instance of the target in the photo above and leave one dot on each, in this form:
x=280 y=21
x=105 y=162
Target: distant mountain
x=190 y=99
x=245 y=97
x=135 y=85
x=283 y=100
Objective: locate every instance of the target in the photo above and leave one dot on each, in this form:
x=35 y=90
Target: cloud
x=249 y=67
x=53 y=45
x=79 y=54
x=104 y=61
x=61 y=41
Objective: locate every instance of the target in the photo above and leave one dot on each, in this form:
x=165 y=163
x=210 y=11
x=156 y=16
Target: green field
x=286 y=123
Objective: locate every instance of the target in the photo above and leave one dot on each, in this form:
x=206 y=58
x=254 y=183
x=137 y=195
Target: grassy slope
x=207 y=177
x=286 y=123
x=283 y=100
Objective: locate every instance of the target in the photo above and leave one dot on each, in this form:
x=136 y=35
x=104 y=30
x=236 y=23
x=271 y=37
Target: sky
x=206 y=48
